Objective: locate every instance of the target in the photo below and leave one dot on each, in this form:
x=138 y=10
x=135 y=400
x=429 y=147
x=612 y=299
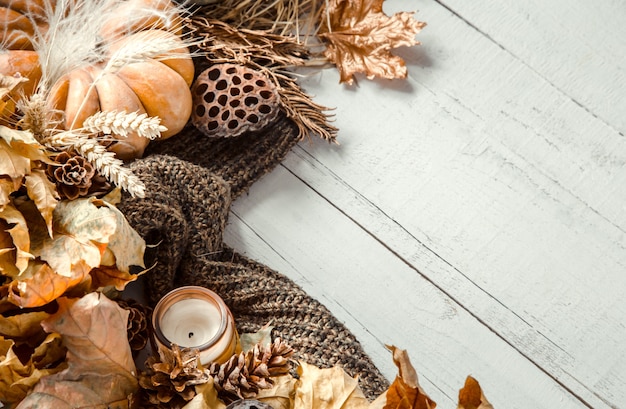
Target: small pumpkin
x=20 y=19
x=157 y=86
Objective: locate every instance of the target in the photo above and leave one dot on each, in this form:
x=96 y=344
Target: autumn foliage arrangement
x=82 y=93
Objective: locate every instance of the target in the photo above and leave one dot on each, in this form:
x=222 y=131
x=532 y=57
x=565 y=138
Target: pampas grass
x=74 y=36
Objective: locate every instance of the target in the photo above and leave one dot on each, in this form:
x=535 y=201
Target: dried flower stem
x=283 y=17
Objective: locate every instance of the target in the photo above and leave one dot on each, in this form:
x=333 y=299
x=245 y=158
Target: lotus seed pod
x=230 y=99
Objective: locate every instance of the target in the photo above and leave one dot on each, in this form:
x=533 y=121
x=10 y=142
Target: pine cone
x=243 y=375
x=170 y=380
x=137 y=324
x=75 y=177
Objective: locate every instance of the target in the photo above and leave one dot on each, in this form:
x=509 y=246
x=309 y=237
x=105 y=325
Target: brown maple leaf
x=359 y=37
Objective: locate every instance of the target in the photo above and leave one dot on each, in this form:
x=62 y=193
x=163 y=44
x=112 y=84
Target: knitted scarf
x=191 y=181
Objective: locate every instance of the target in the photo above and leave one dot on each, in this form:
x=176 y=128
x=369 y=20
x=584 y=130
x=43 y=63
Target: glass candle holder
x=196 y=317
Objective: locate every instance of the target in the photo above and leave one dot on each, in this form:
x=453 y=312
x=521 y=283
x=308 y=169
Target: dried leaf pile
x=312 y=388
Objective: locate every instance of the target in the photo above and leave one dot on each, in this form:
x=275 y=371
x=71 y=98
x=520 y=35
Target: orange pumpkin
x=19 y=20
x=158 y=86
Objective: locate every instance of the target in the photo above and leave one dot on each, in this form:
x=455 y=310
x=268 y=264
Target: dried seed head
x=231 y=99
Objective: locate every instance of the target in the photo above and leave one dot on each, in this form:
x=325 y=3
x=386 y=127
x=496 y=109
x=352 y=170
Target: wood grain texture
x=474 y=214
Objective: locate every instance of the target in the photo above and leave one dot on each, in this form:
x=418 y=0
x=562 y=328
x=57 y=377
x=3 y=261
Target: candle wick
x=190 y=334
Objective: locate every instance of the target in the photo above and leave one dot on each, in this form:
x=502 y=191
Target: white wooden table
x=474 y=214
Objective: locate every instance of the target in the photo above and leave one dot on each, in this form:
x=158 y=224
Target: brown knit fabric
x=190 y=183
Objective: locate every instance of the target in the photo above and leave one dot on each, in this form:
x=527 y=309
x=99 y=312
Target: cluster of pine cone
x=170 y=379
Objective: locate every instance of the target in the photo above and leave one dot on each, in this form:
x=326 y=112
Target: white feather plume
x=74 y=39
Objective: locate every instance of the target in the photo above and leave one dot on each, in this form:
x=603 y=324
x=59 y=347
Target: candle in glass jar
x=191 y=323
x=196 y=317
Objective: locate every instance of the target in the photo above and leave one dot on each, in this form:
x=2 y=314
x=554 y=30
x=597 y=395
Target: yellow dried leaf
x=24 y=144
x=359 y=37
x=9 y=87
x=281 y=395
x=13 y=223
x=126 y=244
x=17 y=378
x=7 y=186
x=40 y=284
x=44 y=194
x=106 y=276
x=12 y=164
x=100 y=371
x=22 y=326
x=405 y=391
x=49 y=352
x=81 y=233
x=206 y=398
x=7 y=251
x=471 y=396
x=328 y=388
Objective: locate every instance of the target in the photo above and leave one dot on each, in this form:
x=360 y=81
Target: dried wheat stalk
x=122 y=124
x=103 y=160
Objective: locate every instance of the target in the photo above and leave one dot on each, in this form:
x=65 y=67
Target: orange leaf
x=105 y=276
x=101 y=371
x=472 y=397
x=359 y=37
x=405 y=391
x=43 y=285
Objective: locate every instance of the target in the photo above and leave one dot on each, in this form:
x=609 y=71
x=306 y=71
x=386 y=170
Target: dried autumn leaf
x=280 y=396
x=81 y=233
x=126 y=244
x=9 y=85
x=359 y=37
x=328 y=388
x=40 y=284
x=24 y=144
x=14 y=252
x=471 y=396
x=7 y=186
x=11 y=163
x=17 y=378
x=405 y=391
x=206 y=397
x=43 y=193
x=23 y=325
x=105 y=276
x=101 y=371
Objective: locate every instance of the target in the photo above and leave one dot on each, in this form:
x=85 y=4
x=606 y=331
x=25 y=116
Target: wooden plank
x=489 y=174
x=578 y=46
x=381 y=298
x=520 y=194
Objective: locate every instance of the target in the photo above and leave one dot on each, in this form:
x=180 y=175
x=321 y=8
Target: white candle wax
x=191 y=322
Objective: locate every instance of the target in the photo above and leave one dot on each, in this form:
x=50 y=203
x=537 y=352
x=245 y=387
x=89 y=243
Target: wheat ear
x=123 y=123
x=103 y=160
